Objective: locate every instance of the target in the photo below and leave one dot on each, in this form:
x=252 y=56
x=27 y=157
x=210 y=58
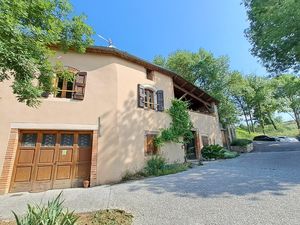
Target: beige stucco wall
x=111 y=94
x=207 y=125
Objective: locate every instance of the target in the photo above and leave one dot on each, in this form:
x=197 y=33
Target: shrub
x=155 y=165
x=217 y=152
x=134 y=175
x=51 y=214
x=213 y=151
x=240 y=142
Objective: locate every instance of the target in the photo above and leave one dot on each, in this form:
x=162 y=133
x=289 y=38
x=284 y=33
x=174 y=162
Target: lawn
x=283 y=129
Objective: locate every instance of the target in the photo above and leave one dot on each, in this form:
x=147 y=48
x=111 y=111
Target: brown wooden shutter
x=141 y=96
x=160 y=100
x=79 y=86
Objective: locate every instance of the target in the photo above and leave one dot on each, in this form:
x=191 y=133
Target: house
x=99 y=126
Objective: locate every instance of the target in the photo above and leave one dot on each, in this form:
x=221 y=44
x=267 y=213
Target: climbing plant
x=180 y=126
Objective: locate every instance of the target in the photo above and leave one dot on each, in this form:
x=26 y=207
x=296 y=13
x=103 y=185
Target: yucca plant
x=51 y=214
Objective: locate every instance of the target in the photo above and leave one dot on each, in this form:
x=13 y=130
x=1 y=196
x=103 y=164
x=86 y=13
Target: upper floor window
x=149 y=74
x=64 y=88
x=150 y=98
x=70 y=87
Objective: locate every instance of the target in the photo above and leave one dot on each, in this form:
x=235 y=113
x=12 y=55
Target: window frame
x=149 y=99
x=150 y=74
x=64 y=89
x=154 y=150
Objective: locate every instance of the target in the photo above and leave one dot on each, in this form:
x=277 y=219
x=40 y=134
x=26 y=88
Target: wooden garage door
x=51 y=159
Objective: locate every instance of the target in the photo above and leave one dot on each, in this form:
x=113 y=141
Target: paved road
x=256 y=188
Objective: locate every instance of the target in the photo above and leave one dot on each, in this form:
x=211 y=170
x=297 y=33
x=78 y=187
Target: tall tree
x=263 y=100
x=207 y=72
x=288 y=90
x=27 y=30
x=274 y=33
x=242 y=95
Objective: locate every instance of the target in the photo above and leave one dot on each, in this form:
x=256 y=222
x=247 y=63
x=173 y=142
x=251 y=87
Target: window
x=48 y=140
x=72 y=89
x=29 y=140
x=65 y=89
x=84 y=140
x=149 y=99
x=67 y=140
x=150 y=148
x=149 y=74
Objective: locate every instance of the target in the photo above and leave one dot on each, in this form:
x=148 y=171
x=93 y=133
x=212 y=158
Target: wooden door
x=51 y=159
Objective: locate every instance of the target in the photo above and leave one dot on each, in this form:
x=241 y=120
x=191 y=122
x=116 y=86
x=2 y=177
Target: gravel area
x=262 y=187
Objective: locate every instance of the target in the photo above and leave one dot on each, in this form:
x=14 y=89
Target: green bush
x=51 y=214
x=213 y=151
x=240 y=142
x=155 y=165
x=217 y=152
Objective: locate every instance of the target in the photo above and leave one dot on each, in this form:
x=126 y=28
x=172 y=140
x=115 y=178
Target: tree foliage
x=27 y=30
x=274 y=33
x=207 y=72
x=180 y=126
x=288 y=90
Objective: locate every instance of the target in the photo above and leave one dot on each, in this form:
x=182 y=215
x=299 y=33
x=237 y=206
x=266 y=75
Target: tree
x=274 y=33
x=242 y=95
x=288 y=90
x=28 y=29
x=207 y=72
x=263 y=100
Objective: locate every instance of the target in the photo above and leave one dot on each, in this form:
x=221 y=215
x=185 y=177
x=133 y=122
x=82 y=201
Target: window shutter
x=79 y=86
x=141 y=96
x=160 y=100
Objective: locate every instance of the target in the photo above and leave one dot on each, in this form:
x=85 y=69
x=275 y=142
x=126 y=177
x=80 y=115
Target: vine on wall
x=180 y=126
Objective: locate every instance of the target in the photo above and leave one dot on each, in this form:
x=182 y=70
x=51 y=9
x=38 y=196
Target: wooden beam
x=207 y=105
x=183 y=96
x=183 y=84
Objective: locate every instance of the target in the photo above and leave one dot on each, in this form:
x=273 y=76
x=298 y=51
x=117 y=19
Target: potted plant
x=86 y=183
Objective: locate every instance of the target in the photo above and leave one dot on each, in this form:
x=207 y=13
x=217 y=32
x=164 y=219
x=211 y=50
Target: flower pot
x=86 y=183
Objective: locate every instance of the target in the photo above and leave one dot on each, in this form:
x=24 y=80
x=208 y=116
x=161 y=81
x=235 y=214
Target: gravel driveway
x=262 y=187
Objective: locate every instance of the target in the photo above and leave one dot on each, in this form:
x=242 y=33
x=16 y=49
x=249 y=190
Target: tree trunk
x=245 y=115
x=272 y=121
x=297 y=119
x=262 y=122
x=251 y=121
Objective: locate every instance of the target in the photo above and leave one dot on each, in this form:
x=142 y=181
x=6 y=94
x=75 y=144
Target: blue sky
x=151 y=27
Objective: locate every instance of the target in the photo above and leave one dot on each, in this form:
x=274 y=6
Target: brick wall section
x=93 y=178
x=9 y=159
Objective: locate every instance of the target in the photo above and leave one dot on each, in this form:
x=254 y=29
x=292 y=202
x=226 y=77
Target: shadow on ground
x=272 y=172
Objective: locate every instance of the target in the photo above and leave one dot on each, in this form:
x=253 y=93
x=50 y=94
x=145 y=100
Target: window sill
x=53 y=99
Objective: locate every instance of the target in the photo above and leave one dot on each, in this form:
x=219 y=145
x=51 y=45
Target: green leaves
x=274 y=33
x=207 y=72
x=51 y=214
x=180 y=126
x=27 y=30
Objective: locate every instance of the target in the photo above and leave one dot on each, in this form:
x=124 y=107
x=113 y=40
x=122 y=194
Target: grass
x=284 y=129
x=101 y=217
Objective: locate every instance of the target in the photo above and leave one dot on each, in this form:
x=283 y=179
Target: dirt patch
x=101 y=217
